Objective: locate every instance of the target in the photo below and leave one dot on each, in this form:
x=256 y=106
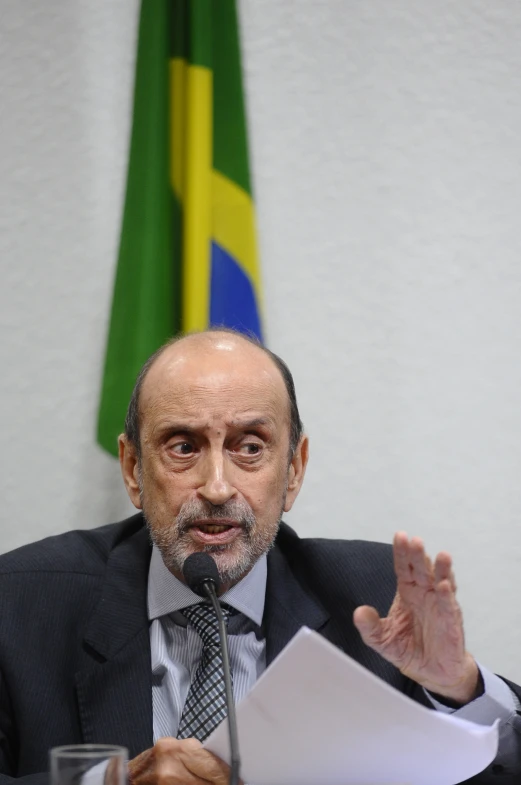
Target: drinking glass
x=88 y=764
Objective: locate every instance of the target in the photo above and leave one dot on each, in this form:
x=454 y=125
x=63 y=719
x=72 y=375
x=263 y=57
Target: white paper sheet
x=317 y=717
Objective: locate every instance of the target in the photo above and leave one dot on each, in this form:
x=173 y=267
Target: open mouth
x=208 y=531
x=214 y=528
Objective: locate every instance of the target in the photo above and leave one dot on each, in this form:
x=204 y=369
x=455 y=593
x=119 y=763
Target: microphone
x=202 y=577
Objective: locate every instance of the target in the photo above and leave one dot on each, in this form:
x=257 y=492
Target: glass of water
x=88 y=764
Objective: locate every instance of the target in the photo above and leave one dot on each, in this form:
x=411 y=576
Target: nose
x=215 y=486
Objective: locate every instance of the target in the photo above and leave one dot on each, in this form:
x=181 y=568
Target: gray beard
x=233 y=561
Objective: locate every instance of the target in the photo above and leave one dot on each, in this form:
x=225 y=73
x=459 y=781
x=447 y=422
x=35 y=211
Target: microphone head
x=199 y=568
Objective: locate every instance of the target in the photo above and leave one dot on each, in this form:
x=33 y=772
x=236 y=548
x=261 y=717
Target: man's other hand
x=177 y=762
x=422 y=634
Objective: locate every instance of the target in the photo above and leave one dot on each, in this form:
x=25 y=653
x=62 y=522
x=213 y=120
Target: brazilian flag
x=187 y=254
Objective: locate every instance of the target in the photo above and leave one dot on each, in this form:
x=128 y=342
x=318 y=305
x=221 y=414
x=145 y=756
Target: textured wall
x=387 y=158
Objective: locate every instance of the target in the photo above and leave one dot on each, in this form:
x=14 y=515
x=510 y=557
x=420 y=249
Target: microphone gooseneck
x=202 y=576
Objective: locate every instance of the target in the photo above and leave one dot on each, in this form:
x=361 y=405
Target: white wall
x=387 y=162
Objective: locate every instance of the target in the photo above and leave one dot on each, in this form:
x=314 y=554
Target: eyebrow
x=185 y=427
x=253 y=423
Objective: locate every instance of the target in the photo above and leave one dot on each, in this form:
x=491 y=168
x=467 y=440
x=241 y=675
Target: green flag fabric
x=187 y=255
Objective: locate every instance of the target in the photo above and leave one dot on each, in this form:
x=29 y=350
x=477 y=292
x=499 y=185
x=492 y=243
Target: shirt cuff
x=498 y=702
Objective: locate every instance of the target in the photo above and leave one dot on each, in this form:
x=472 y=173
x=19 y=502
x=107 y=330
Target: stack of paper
x=317 y=717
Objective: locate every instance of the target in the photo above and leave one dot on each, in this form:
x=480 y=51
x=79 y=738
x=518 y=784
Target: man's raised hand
x=422 y=634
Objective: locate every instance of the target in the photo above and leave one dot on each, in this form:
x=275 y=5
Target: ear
x=129 y=469
x=296 y=472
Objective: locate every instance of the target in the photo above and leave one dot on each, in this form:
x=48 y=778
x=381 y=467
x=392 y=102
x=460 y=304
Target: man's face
x=214 y=473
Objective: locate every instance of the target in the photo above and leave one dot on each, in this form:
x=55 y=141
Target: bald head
x=213 y=453
x=215 y=357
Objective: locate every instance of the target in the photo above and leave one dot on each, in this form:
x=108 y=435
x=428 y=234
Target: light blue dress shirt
x=176 y=651
x=176 y=647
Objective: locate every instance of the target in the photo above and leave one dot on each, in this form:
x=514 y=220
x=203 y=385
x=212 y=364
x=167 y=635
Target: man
x=98 y=635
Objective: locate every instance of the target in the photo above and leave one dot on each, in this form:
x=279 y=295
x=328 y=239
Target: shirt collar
x=167 y=594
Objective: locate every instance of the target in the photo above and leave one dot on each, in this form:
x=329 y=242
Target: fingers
x=202 y=764
x=443 y=570
x=413 y=566
x=177 y=762
x=402 y=565
x=369 y=625
x=445 y=583
x=411 y=563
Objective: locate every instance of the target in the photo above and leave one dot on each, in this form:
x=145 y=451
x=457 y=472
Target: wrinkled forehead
x=218 y=381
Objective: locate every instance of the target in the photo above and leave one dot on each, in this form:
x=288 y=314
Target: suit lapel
x=114 y=682
x=288 y=605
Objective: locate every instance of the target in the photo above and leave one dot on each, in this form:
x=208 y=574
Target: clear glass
x=88 y=764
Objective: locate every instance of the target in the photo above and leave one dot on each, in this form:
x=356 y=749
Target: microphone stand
x=235 y=765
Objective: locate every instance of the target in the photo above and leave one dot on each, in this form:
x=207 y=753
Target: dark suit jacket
x=74 y=634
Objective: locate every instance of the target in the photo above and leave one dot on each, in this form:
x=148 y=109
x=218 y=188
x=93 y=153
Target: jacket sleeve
x=7 y=734
x=506 y=767
x=8 y=746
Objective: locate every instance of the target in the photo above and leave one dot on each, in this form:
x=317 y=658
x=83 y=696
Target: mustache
x=192 y=511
